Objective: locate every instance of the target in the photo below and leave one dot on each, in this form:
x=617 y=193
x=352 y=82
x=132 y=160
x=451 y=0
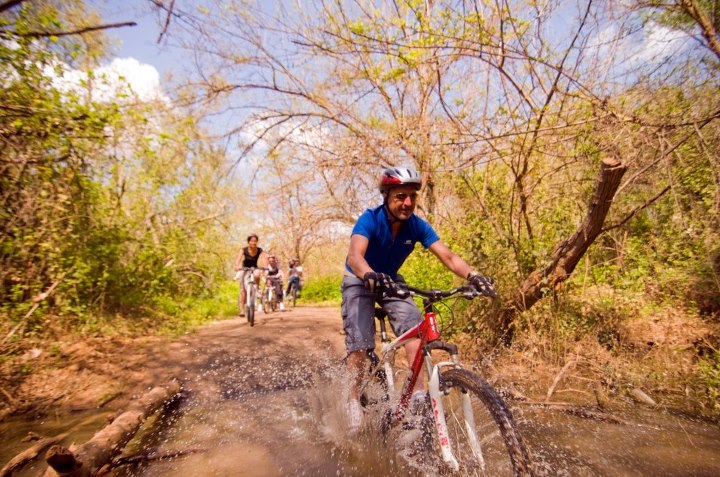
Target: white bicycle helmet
x=398 y=176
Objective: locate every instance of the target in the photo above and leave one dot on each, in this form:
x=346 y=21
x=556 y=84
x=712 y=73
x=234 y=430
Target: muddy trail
x=267 y=401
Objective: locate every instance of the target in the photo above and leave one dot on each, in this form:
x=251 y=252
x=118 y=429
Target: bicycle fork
x=436 y=391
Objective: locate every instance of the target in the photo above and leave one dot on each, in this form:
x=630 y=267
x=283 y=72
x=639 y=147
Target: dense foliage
x=109 y=204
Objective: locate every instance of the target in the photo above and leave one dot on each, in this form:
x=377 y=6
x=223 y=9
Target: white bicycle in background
x=269 y=299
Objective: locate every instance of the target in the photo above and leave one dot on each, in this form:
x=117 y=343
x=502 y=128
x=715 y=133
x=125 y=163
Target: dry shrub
x=600 y=346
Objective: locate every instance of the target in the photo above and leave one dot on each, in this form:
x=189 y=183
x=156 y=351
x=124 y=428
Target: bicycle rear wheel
x=499 y=450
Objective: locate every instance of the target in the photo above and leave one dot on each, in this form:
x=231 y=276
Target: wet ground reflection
x=302 y=432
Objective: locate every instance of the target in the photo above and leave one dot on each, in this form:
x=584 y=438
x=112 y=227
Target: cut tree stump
x=85 y=460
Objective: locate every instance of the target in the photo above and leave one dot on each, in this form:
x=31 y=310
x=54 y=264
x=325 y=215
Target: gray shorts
x=358 y=314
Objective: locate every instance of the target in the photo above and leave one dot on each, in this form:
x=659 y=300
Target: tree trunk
x=85 y=460
x=28 y=455
x=567 y=253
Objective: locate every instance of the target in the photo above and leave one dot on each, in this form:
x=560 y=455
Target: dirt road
x=232 y=374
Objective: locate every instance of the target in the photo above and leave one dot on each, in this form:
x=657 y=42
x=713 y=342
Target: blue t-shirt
x=383 y=253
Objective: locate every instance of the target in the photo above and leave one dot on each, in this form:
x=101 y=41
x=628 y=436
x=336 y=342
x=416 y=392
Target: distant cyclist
x=248 y=257
x=274 y=279
x=295 y=271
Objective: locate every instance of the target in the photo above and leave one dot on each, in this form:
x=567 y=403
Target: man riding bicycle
x=295 y=271
x=381 y=240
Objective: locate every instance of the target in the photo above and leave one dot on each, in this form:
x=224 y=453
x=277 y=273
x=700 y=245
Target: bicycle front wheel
x=250 y=309
x=273 y=301
x=265 y=300
x=293 y=295
x=481 y=429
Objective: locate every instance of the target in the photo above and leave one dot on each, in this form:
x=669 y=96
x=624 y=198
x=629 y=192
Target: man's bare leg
x=356 y=363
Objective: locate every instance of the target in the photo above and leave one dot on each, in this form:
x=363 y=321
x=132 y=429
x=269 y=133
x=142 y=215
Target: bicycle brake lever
x=401 y=292
x=469 y=292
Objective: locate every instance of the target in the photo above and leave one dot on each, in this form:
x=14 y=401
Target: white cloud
x=619 y=54
x=123 y=77
x=144 y=79
x=660 y=42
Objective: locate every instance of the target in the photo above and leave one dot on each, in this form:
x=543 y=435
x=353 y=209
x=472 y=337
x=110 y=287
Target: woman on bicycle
x=248 y=257
x=274 y=278
x=381 y=240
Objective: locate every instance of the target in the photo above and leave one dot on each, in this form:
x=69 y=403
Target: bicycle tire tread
x=251 y=308
x=470 y=381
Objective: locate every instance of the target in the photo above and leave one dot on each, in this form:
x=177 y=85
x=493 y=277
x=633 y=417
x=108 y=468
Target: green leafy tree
x=109 y=204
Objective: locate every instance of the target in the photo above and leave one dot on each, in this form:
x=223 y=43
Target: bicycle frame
x=249 y=281
x=429 y=335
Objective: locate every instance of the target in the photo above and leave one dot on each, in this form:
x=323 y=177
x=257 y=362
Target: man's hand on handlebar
x=377 y=282
x=381 y=283
x=484 y=285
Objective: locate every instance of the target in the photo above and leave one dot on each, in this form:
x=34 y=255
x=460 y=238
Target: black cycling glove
x=377 y=282
x=484 y=285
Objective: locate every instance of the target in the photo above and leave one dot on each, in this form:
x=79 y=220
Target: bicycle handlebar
x=403 y=291
x=238 y=274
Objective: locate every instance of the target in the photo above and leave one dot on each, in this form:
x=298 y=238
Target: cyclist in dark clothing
x=274 y=279
x=381 y=240
x=249 y=256
x=295 y=271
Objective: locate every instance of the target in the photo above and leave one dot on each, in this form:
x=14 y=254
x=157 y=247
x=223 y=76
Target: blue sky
x=139 y=42
x=135 y=57
x=136 y=54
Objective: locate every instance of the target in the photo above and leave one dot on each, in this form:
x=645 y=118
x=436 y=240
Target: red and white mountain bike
x=474 y=431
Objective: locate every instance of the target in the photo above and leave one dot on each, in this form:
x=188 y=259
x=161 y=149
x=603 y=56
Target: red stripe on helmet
x=391 y=180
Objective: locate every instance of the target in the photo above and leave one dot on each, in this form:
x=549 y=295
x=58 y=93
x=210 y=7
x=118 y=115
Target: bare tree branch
x=567 y=253
x=695 y=11
x=167 y=18
x=636 y=210
x=80 y=31
x=10 y=4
